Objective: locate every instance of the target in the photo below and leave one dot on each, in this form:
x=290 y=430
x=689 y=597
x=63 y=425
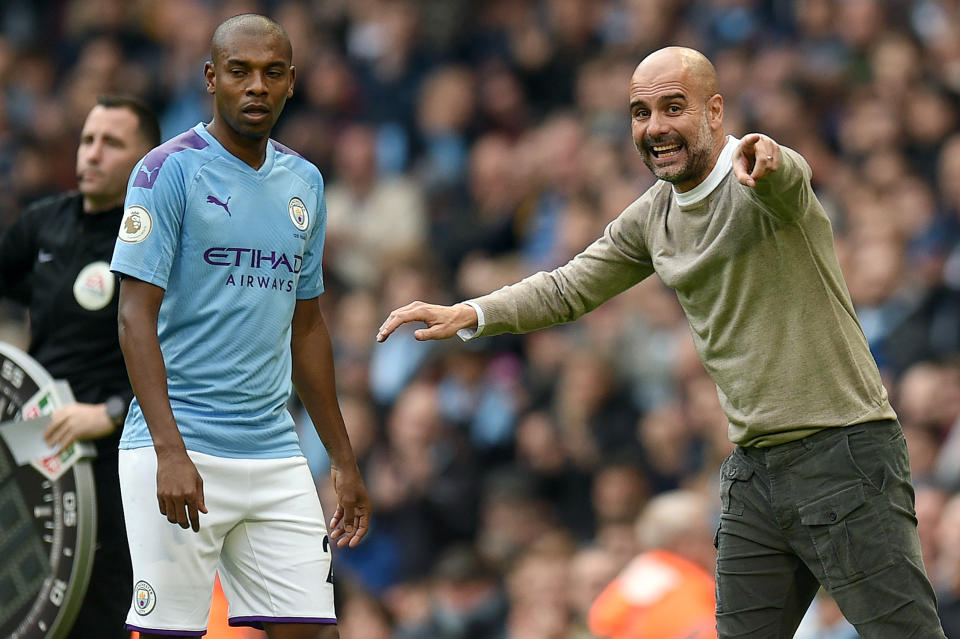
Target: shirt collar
x=264 y=169
x=724 y=163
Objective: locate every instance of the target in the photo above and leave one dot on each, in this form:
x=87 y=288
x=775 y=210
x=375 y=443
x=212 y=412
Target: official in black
x=55 y=260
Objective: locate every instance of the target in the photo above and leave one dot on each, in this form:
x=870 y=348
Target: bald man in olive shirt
x=817 y=491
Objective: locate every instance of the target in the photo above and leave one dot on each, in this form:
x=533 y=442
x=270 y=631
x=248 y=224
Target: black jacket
x=73 y=319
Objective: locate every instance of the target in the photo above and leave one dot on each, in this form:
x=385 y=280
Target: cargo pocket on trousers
x=849 y=542
x=733 y=473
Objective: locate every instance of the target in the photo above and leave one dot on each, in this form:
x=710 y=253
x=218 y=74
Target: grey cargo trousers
x=833 y=509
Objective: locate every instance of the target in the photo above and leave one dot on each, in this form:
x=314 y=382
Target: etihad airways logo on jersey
x=259 y=259
x=254 y=258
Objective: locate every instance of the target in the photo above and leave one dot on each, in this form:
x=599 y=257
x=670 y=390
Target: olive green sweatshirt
x=757 y=275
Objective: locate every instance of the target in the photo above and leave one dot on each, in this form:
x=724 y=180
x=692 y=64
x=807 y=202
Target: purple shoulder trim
x=172 y=633
x=284 y=149
x=150 y=168
x=256 y=621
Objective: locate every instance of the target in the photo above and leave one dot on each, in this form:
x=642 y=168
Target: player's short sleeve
x=310 y=283
x=149 y=233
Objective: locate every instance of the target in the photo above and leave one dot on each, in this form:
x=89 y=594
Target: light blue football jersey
x=233 y=248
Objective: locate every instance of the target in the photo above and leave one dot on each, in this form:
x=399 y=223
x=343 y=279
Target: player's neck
x=252 y=151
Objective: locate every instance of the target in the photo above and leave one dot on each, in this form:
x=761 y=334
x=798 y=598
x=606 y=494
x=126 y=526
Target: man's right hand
x=179 y=489
x=75 y=422
x=442 y=321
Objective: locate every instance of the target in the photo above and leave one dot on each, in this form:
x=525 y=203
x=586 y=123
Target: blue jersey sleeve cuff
x=309 y=294
x=149 y=277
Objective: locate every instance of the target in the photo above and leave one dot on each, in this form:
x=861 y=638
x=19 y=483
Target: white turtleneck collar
x=724 y=163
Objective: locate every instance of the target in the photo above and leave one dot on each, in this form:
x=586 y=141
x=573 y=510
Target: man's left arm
x=313 y=377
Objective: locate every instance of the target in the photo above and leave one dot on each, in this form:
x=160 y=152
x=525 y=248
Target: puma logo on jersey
x=149 y=173
x=212 y=200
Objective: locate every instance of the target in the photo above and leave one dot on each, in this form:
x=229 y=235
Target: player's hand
x=756 y=157
x=179 y=490
x=442 y=321
x=351 y=521
x=77 y=422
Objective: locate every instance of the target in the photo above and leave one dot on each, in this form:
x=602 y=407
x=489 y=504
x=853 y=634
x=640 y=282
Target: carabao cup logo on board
x=136 y=225
x=298 y=213
x=145 y=599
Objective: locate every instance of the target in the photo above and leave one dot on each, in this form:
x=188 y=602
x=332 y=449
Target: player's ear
x=210 y=76
x=293 y=79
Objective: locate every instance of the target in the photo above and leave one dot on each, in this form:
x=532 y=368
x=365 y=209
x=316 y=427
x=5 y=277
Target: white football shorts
x=264 y=532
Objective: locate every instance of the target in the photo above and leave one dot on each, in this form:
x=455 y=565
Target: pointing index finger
x=750 y=141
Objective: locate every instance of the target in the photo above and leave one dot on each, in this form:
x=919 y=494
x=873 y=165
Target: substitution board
x=47 y=509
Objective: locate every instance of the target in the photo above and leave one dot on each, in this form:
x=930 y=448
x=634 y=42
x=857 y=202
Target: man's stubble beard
x=698 y=157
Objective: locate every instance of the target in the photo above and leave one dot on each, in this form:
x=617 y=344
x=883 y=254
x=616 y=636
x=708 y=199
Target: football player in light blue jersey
x=219 y=252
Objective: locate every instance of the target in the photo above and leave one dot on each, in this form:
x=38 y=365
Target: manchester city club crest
x=298 y=213
x=145 y=599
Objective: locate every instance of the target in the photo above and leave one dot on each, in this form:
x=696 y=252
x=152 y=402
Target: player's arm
x=313 y=377
x=179 y=486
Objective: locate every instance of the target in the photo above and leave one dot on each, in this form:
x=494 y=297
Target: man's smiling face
x=673 y=122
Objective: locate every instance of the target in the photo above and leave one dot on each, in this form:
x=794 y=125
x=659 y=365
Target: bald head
x=688 y=65
x=247 y=24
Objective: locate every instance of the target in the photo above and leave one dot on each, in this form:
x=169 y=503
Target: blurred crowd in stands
x=467 y=143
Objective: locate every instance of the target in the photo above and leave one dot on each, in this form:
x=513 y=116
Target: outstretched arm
x=610 y=265
x=313 y=377
x=442 y=321
x=179 y=486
